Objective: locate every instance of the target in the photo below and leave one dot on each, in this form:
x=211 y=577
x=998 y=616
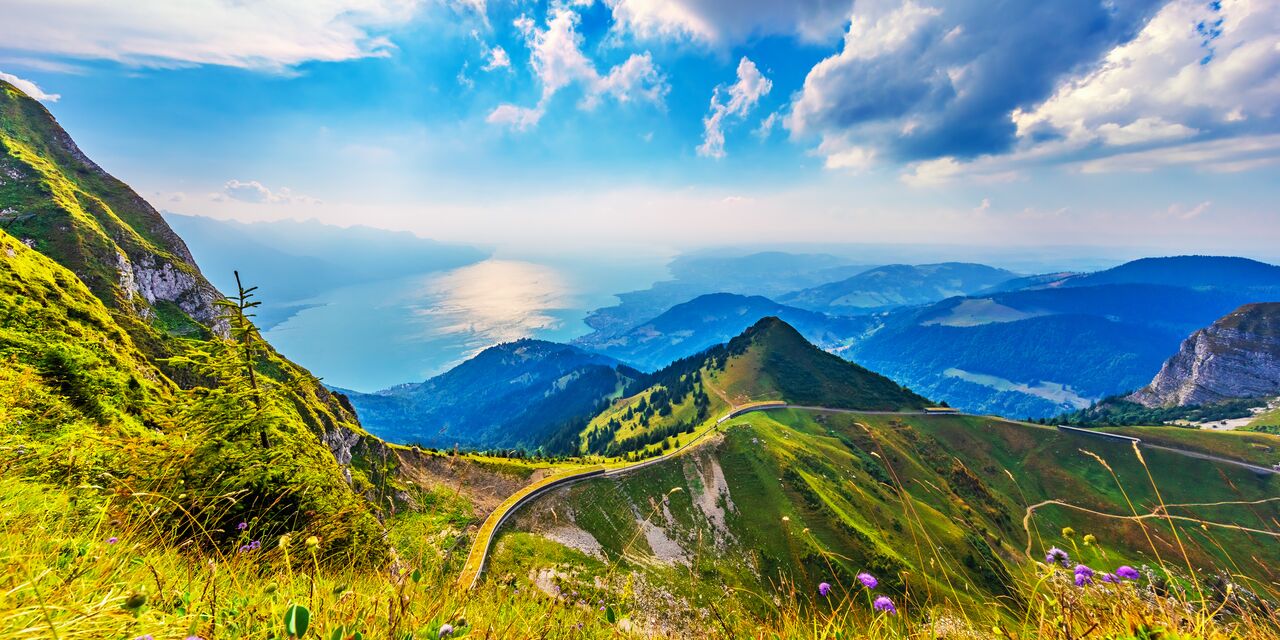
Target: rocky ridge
x=1237 y=356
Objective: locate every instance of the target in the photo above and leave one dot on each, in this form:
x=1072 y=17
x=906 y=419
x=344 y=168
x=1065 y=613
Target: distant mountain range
x=897 y=285
x=768 y=273
x=1027 y=346
x=1064 y=344
x=517 y=394
x=711 y=319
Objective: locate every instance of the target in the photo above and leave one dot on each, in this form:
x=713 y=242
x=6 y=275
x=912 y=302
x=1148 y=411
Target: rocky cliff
x=1236 y=357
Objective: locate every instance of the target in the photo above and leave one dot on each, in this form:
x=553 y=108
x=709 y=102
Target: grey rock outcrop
x=1237 y=356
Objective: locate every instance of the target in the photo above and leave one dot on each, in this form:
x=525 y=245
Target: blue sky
x=1148 y=123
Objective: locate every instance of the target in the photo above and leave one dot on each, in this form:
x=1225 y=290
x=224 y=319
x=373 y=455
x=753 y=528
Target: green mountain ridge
x=770 y=361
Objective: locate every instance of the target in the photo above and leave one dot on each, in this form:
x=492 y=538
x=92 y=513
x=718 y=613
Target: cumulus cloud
x=30 y=88
x=257 y=193
x=744 y=94
x=515 y=117
x=722 y=23
x=921 y=80
x=1196 y=72
x=271 y=34
x=558 y=62
x=498 y=59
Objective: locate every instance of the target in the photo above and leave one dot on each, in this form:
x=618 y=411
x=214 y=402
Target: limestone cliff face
x=1236 y=357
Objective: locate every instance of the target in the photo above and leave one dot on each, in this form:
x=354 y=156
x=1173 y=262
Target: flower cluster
x=1057 y=556
x=883 y=603
x=250 y=546
x=1125 y=572
x=1084 y=575
x=880 y=603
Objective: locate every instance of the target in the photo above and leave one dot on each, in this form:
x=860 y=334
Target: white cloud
x=1182 y=212
x=255 y=192
x=263 y=34
x=767 y=125
x=875 y=30
x=1226 y=155
x=723 y=23
x=465 y=80
x=557 y=60
x=515 y=117
x=947 y=170
x=1143 y=130
x=1196 y=72
x=30 y=88
x=840 y=153
x=744 y=94
x=498 y=59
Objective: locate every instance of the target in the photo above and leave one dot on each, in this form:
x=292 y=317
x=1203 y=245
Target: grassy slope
x=1246 y=446
x=82 y=404
x=958 y=539
x=770 y=361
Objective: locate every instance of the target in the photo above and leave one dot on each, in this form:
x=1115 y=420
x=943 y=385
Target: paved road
x=1207 y=456
x=478 y=557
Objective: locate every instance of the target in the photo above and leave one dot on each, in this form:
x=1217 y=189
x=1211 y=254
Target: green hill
x=770 y=361
x=122 y=368
x=939 y=508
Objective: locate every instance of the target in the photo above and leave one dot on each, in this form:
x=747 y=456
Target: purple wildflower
x=255 y=545
x=1128 y=573
x=446 y=629
x=1084 y=575
x=883 y=603
x=242 y=526
x=145 y=636
x=1110 y=578
x=869 y=581
x=1057 y=556
x=244 y=548
x=113 y=540
x=824 y=589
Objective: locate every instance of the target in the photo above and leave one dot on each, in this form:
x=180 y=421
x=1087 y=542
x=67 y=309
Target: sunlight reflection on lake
x=375 y=335
x=495 y=301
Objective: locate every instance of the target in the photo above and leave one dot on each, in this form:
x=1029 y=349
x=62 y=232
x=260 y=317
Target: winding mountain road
x=478 y=556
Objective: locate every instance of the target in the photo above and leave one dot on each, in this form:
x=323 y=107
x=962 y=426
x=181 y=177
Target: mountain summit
x=770 y=361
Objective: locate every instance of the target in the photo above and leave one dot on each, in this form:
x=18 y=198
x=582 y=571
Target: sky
x=634 y=124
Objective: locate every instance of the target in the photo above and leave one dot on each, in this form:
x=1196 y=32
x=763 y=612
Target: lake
x=376 y=335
